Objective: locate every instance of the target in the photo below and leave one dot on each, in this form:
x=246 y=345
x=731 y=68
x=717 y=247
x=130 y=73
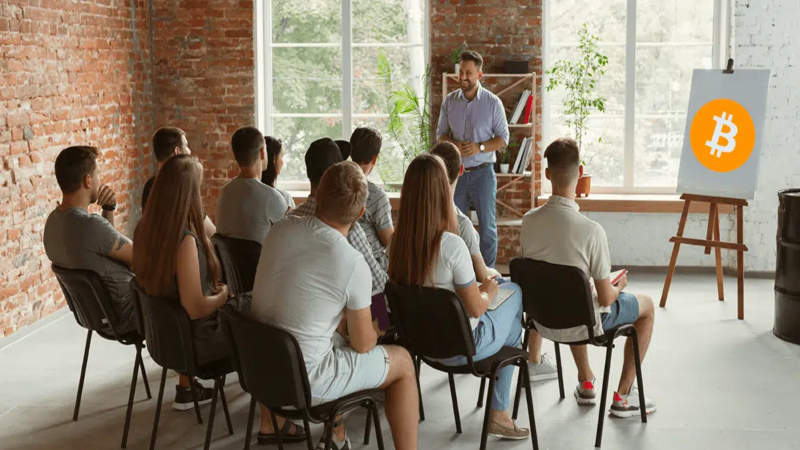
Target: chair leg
x=277 y=430
x=529 y=400
x=480 y=392
x=306 y=425
x=418 y=370
x=225 y=405
x=194 y=398
x=640 y=383
x=604 y=394
x=378 y=433
x=131 y=396
x=250 y=416
x=158 y=409
x=454 y=397
x=526 y=334
x=329 y=433
x=560 y=373
x=83 y=375
x=144 y=372
x=210 y=427
x=368 y=427
x=487 y=413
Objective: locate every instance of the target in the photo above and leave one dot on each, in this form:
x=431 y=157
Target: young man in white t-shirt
x=540 y=367
x=309 y=278
x=558 y=234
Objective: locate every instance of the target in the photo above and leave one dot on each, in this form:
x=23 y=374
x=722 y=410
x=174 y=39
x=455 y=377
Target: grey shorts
x=624 y=311
x=347 y=371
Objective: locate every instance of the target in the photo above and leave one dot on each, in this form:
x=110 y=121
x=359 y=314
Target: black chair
x=171 y=344
x=284 y=387
x=90 y=303
x=560 y=297
x=239 y=260
x=435 y=326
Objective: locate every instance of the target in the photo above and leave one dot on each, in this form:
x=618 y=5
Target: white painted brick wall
x=767 y=35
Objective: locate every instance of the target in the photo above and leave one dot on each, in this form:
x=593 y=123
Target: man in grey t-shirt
x=246 y=207
x=75 y=239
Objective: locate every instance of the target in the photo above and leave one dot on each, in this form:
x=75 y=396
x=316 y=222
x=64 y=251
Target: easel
x=712 y=238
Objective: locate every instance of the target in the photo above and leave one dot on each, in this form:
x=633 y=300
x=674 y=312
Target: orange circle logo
x=722 y=135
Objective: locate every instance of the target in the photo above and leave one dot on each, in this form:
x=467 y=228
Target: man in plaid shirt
x=322 y=154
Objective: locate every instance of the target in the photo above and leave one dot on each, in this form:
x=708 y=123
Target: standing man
x=474 y=120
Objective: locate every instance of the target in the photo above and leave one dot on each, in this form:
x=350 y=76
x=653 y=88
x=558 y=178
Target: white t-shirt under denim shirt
x=453 y=269
x=557 y=233
x=307 y=275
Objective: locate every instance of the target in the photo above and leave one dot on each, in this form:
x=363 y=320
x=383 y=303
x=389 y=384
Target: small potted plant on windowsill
x=504 y=156
x=579 y=80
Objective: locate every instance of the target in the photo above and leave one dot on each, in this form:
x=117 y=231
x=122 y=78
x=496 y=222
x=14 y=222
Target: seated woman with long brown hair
x=427 y=251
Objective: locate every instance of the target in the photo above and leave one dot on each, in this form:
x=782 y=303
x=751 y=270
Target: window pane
x=674 y=37
x=397 y=21
x=605 y=160
x=297 y=134
x=390 y=168
x=658 y=144
x=369 y=95
x=307 y=80
x=605 y=19
x=306 y=21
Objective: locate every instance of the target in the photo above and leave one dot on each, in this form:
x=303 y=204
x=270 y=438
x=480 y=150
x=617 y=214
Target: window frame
x=263 y=72
x=721 y=51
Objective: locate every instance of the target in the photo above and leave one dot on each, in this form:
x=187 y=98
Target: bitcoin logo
x=722 y=135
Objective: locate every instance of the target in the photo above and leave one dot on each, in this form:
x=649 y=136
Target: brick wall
x=204 y=76
x=71 y=72
x=500 y=31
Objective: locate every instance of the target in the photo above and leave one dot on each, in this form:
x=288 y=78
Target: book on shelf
x=519 y=108
x=526 y=156
x=526 y=118
x=520 y=154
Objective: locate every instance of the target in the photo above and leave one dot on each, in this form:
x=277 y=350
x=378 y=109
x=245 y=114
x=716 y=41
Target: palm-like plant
x=409 y=113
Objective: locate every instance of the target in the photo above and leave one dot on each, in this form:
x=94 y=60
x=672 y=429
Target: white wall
x=767 y=35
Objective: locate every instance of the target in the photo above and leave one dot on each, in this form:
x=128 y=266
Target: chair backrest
x=431 y=321
x=88 y=299
x=166 y=330
x=239 y=260
x=269 y=362
x=555 y=296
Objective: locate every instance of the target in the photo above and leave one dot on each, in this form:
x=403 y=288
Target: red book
x=528 y=105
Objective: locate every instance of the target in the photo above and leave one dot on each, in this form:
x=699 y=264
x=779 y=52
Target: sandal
x=345 y=445
x=299 y=434
x=504 y=432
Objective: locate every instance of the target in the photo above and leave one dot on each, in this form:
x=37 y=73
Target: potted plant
x=504 y=156
x=579 y=80
x=456 y=56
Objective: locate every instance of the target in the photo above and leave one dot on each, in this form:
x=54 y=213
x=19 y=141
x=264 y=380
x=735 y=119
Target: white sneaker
x=628 y=405
x=584 y=393
x=545 y=370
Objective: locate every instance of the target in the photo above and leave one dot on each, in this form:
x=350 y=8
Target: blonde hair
x=342 y=193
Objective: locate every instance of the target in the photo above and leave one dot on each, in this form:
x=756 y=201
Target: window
x=653 y=47
x=317 y=71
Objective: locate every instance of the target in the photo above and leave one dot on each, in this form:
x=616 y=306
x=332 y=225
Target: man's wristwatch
x=483 y=148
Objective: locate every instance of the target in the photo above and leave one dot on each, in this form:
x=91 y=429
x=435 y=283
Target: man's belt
x=480 y=166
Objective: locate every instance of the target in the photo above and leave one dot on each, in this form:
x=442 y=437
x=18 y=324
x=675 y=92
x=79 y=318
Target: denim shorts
x=624 y=311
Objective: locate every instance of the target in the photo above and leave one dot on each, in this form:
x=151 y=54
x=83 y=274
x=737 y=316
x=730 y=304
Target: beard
x=467 y=85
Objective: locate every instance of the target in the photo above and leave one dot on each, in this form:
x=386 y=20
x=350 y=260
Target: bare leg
x=535 y=347
x=580 y=354
x=644 y=330
x=266 y=422
x=402 y=403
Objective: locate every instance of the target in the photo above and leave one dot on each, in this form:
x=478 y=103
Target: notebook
x=500 y=298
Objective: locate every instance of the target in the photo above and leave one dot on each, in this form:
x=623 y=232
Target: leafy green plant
x=456 y=55
x=409 y=117
x=579 y=80
x=505 y=155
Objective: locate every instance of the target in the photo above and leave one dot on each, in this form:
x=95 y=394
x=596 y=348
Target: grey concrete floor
x=719 y=383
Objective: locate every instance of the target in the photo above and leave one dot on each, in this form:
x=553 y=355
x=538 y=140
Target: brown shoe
x=503 y=432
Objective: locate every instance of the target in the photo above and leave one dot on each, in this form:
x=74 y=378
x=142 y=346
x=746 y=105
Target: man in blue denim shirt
x=474 y=119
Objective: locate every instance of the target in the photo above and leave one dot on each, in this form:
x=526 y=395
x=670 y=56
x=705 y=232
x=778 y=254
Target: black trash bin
x=787 y=270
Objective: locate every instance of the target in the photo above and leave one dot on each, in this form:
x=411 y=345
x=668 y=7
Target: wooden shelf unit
x=509 y=179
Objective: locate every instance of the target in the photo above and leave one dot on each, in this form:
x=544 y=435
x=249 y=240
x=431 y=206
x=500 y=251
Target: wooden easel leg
x=710 y=233
x=674 y=259
x=718 y=257
x=740 y=258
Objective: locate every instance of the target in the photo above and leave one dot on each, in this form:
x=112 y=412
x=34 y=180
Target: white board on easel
x=724 y=132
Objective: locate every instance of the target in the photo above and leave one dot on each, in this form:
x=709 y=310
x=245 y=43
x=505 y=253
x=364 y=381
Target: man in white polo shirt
x=558 y=234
